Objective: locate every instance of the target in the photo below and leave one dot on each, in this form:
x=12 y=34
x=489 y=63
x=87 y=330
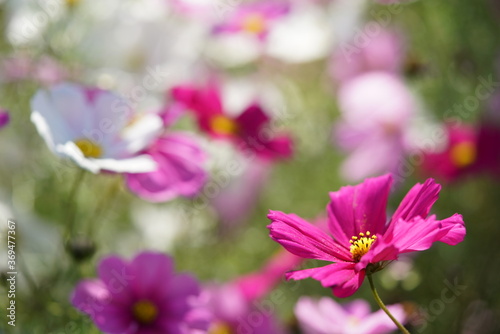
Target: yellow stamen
x=145 y=312
x=361 y=246
x=463 y=154
x=220 y=328
x=254 y=23
x=89 y=148
x=224 y=125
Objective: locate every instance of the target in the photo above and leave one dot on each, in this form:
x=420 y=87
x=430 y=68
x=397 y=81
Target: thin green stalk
x=383 y=307
x=72 y=207
x=103 y=205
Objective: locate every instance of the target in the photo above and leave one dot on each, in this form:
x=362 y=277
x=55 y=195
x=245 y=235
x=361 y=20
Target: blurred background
x=361 y=88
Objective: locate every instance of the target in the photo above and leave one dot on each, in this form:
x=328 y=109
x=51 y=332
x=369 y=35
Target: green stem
x=70 y=217
x=104 y=204
x=383 y=307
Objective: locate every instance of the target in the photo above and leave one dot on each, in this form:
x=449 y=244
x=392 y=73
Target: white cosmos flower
x=94 y=128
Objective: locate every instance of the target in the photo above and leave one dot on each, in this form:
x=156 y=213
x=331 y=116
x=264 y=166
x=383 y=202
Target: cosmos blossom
x=253 y=18
x=325 y=316
x=94 y=128
x=457 y=158
x=362 y=241
x=141 y=296
x=249 y=131
x=385 y=52
x=377 y=110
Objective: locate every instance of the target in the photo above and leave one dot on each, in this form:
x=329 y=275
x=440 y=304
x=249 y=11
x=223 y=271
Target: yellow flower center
x=360 y=245
x=72 y=3
x=224 y=125
x=254 y=23
x=89 y=148
x=463 y=154
x=145 y=312
x=220 y=328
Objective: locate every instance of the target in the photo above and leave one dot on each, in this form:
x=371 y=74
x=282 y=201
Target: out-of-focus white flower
x=94 y=128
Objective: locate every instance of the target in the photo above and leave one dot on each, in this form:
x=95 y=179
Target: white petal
x=51 y=127
x=71 y=151
x=142 y=132
x=138 y=164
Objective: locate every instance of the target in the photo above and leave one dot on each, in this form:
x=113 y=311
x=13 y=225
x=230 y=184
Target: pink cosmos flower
x=362 y=241
x=143 y=296
x=4 y=117
x=376 y=111
x=384 y=51
x=254 y=18
x=250 y=130
x=325 y=316
x=179 y=171
x=457 y=158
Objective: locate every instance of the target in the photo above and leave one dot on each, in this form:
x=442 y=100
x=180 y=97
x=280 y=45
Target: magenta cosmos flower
x=143 y=296
x=457 y=157
x=325 y=316
x=250 y=130
x=362 y=240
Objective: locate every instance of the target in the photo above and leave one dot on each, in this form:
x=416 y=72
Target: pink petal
x=360 y=208
x=304 y=239
x=452 y=230
x=115 y=274
x=89 y=296
x=341 y=277
x=380 y=323
x=180 y=171
x=152 y=274
x=418 y=201
x=417 y=234
x=380 y=251
x=93 y=298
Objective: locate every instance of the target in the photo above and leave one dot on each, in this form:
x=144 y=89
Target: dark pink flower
x=144 y=296
x=253 y=18
x=179 y=170
x=250 y=130
x=361 y=237
x=457 y=158
x=325 y=316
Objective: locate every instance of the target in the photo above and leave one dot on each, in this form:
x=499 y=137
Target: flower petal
x=452 y=230
x=93 y=298
x=360 y=208
x=417 y=234
x=341 y=277
x=116 y=275
x=152 y=274
x=304 y=239
x=418 y=201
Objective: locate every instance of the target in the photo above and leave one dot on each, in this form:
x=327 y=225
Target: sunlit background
x=360 y=88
